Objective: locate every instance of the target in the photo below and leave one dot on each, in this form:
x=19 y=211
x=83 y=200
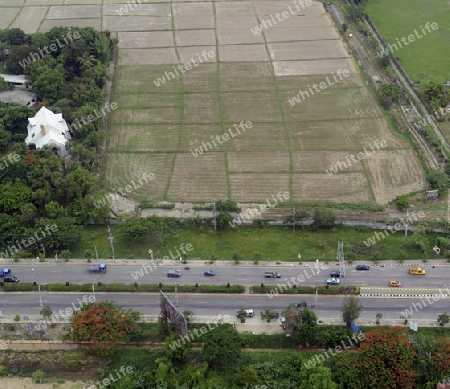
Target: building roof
x=17 y=79
x=432 y=194
x=47 y=128
x=18 y=96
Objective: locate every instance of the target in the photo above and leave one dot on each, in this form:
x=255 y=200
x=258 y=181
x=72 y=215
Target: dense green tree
x=176 y=349
x=402 y=202
x=437 y=94
x=426 y=348
x=16 y=56
x=438 y=180
x=389 y=93
x=221 y=346
x=5 y=137
x=301 y=324
x=268 y=315
x=224 y=220
x=246 y=377
x=318 y=377
x=351 y=309
x=135 y=227
x=49 y=83
x=324 y=218
x=13 y=197
x=16 y=36
x=443 y=319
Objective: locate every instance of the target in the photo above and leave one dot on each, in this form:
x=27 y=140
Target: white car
x=248 y=313
x=333 y=281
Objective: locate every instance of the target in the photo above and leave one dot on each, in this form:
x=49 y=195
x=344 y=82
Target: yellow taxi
x=395 y=283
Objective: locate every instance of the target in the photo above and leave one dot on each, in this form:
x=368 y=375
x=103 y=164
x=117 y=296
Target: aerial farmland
x=189 y=72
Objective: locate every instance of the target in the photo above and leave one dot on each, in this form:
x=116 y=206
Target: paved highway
x=377 y=276
x=328 y=307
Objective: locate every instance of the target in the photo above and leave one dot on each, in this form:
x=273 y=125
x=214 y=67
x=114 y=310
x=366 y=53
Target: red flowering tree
x=384 y=360
x=103 y=324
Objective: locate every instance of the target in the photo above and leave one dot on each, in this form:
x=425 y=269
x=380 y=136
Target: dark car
x=301 y=304
x=173 y=274
x=209 y=273
x=362 y=267
x=11 y=279
x=336 y=274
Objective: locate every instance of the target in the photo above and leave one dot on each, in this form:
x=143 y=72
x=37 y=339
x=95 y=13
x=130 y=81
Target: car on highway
x=173 y=274
x=333 y=281
x=395 y=283
x=336 y=274
x=248 y=312
x=209 y=273
x=363 y=267
x=10 y=279
x=301 y=304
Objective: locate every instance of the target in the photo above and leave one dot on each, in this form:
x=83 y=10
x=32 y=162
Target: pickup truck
x=5 y=272
x=417 y=270
x=270 y=274
x=99 y=269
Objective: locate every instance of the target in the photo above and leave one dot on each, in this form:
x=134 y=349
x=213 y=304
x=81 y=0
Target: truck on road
x=5 y=272
x=99 y=269
x=271 y=274
x=417 y=270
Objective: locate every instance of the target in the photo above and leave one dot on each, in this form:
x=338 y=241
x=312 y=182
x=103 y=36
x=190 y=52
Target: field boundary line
x=280 y=104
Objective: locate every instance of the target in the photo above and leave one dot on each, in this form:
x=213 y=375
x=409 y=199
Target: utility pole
x=294 y=219
x=317 y=282
x=96 y=253
x=214 y=217
x=406 y=224
x=39 y=284
x=176 y=296
x=340 y=258
x=111 y=239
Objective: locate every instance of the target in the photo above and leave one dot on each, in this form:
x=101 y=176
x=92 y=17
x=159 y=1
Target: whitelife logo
x=130 y=6
x=250 y=214
x=183 y=68
x=224 y=137
x=257 y=30
x=53 y=47
x=38 y=236
x=397 y=227
x=107 y=199
x=76 y=125
x=411 y=38
x=352 y=158
x=302 y=95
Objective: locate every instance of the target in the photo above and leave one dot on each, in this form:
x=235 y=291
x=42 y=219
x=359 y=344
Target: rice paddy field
x=189 y=72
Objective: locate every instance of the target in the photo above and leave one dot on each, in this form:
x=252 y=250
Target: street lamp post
x=39 y=285
x=317 y=282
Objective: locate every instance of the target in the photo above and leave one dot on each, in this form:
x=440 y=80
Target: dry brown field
x=252 y=77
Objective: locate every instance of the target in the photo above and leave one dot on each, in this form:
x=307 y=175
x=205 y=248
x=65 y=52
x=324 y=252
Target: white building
x=48 y=129
x=18 y=80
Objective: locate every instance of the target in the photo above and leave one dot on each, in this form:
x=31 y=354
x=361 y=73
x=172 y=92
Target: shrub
x=402 y=202
x=11 y=327
x=17 y=318
x=257 y=257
